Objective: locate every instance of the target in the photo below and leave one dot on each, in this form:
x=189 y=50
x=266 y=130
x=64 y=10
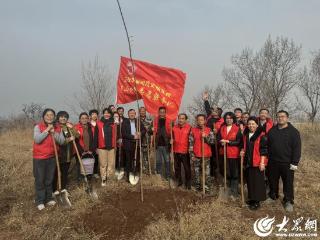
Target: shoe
x=288 y=206
x=96 y=176
x=103 y=183
x=249 y=202
x=41 y=207
x=254 y=206
x=51 y=203
x=56 y=193
x=270 y=200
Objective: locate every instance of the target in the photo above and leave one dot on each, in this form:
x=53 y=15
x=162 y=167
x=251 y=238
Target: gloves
x=293 y=167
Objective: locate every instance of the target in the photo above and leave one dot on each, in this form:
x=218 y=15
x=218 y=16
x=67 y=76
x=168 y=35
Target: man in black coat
x=284 y=150
x=130 y=137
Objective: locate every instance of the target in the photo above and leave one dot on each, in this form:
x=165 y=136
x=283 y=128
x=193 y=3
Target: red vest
x=256 y=150
x=269 y=124
x=155 y=126
x=181 y=138
x=232 y=151
x=197 y=135
x=79 y=128
x=217 y=124
x=101 y=136
x=45 y=149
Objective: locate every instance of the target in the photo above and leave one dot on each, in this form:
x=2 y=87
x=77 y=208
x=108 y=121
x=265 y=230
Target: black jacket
x=128 y=139
x=284 y=145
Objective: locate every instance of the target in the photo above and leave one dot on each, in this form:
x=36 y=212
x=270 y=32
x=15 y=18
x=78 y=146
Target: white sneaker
x=41 y=207
x=104 y=183
x=51 y=203
x=56 y=193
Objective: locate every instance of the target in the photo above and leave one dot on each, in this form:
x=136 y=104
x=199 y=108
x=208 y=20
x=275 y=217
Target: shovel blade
x=92 y=193
x=223 y=194
x=63 y=200
x=133 y=179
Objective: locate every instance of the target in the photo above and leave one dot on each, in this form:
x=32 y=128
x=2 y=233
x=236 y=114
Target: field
x=119 y=214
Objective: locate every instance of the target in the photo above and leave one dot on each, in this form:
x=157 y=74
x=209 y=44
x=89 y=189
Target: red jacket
x=155 y=126
x=181 y=138
x=45 y=149
x=269 y=124
x=232 y=151
x=217 y=124
x=79 y=128
x=256 y=150
x=197 y=135
x=101 y=136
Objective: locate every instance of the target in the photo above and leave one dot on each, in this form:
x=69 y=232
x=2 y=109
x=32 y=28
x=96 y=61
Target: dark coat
x=127 y=138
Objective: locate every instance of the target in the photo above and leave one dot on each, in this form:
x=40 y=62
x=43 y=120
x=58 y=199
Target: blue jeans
x=43 y=172
x=163 y=158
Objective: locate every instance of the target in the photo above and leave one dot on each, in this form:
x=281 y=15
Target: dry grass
x=215 y=219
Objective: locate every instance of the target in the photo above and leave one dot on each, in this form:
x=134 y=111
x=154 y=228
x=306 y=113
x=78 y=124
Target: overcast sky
x=43 y=43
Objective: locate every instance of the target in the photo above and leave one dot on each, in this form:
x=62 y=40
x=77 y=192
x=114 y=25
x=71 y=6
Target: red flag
x=156 y=86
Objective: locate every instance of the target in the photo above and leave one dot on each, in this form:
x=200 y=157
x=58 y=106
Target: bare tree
x=98 y=87
x=280 y=58
x=264 y=78
x=217 y=96
x=309 y=85
x=244 y=79
x=33 y=111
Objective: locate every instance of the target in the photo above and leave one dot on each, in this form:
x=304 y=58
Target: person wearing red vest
x=66 y=151
x=87 y=140
x=106 y=145
x=214 y=121
x=264 y=120
x=93 y=118
x=161 y=132
x=244 y=121
x=120 y=152
x=197 y=151
x=255 y=151
x=238 y=113
x=180 y=142
x=230 y=135
x=44 y=163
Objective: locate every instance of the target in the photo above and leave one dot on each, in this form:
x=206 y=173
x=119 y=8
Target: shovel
x=93 y=194
x=62 y=197
x=241 y=181
x=203 y=166
x=133 y=178
x=119 y=173
x=223 y=193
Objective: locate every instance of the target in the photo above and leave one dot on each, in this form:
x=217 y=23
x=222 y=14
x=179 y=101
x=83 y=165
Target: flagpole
x=136 y=93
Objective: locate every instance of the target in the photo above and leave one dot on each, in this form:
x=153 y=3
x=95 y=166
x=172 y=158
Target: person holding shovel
x=65 y=151
x=230 y=137
x=44 y=163
x=131 y=135
x=254 y=152
x=180 y=143
x=106 y=145
x=161 y=131
x=88 y=136
x=200 y=140
x=146 y=140
x=93 y=117
x=213 y=121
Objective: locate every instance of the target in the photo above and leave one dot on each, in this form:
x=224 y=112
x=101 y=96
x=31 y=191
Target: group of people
x=268 y=150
